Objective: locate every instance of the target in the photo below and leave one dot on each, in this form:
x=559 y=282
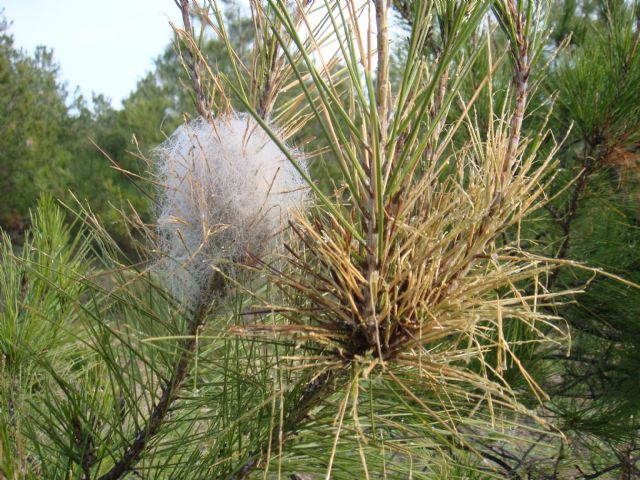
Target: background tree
x=33 y=127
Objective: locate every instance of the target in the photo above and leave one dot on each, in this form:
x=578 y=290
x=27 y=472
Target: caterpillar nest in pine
x=227 y=191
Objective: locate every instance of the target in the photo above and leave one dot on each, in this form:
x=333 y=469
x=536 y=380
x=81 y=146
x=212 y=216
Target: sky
x=102 y=46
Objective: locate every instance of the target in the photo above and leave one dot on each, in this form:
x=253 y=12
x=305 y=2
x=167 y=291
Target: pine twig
x=192 y=63
x=308 y=399
x=522 y=65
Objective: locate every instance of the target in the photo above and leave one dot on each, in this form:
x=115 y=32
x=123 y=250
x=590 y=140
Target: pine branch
x=572 y=210
x=599 y=473
x=85 y=442
x=171 y=387
x=565 y=220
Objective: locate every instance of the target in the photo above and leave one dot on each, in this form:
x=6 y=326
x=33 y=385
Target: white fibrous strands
x=227 y=194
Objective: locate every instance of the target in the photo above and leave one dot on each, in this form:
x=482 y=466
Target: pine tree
x=405 y=314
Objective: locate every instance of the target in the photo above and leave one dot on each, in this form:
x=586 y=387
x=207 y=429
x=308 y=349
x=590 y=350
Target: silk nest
x=228 y=192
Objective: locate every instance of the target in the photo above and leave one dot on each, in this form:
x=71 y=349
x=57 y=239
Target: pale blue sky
x=102 y=46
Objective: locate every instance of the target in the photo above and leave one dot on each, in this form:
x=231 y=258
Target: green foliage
x=39 y=315
x=598 y=216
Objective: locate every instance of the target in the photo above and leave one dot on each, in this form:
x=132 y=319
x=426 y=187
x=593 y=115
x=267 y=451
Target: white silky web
x=227 y=191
